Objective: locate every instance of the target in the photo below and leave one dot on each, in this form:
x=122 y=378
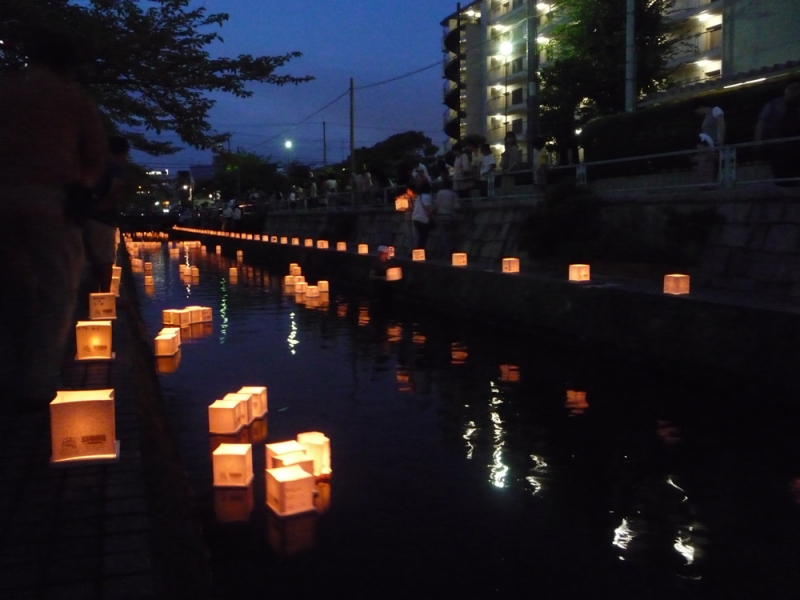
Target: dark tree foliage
x=586 y=76
x=393 y=157
x=147 y=64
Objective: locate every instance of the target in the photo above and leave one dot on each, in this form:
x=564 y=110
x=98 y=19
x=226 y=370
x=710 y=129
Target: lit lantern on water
x=233 y=505
x=290 y=490
x=284 y=240
x=103 y=306
x=341 y=246
x=309 y=243
x=294 y=269
x=301 y=459
x=197 y=313
x=148 y=267
x=510 y=265
x=323 y=286
x=299 y=279
x=318 y=447
x=218 y=250
x=322 y=244
x=244 y=401
x=282 y=449
x=459 y=259
x=676 y=284
x=226 y=416
x=93 y=340
x=418 y=254
x=579 y=273
x=363 y=249
x=82 y=427
x=576 y=402
x=167 y=343
x=149 y=281
x=195 y=272
x=274 y=239
x=394 y=274
x=289 y=280
x=295 y=241
x=300 y=287
x=509 y=373
x=233 y=273
x=179 y=317
x=258 y=400
x=233 y=465
x=312 y=291
x=249 y=236
x=239 y=254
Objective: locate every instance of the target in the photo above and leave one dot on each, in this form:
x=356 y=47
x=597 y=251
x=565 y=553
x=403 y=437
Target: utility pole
x=630 y=58
x=324 y=145
x=352 y=141
x=533 y=80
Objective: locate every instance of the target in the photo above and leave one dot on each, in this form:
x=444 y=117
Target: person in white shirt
x=487 y=169
x=462 y=172
x=420 y=216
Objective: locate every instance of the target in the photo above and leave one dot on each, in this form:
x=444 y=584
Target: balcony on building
x=452 y=95
x=452 y=69
x=685 y=9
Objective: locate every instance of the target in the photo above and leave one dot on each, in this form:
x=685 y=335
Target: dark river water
x=476 y=463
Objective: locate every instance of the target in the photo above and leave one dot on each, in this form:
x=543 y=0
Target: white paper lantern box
x=82 y=427
x=167 y=343
x=233 y=465
x=102 y=306
x=318 y=448
x=258 y=400
x=290 y=490
x=179 y=317
x=227 y=416
x=93 y=340
x=199 y=314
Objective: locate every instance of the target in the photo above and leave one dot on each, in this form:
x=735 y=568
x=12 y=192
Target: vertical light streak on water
x=623 y=536
x=498 y=470
x=292 y=339
x=539 y=467
x=223 y=311
x=683 y=545
x=468 y=432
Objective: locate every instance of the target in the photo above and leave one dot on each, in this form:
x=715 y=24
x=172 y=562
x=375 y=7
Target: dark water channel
x=475 y=463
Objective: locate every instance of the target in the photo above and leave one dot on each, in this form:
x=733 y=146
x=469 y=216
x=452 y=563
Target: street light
x=288 y=144
x=506 y=48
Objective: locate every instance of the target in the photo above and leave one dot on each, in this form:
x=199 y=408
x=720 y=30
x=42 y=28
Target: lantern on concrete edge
x=226 y=416
x=218 y=250
x=309 y=243
x=401 y=203
x=322 y=244
x=510 y=265
x=249 y=236
x=102 y=306
x=258 y=400
x=233 y=505
x=114 y=286
x=459 y=259
x=391 y=251
x=323 y=286
x=116 y=271
x=363 y=249
x=676 y=284
x=149 y=281
x=394 y=274
x=341 y=246
x=318 y=447
x=93 y=340
x=83 y=427
x=418 y=254
x=295 y=241
x=290 y=490
x=233 y=465
x=284 y=240
x=579 y=273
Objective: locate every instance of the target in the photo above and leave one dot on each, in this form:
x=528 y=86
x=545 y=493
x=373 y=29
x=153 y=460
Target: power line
x=409 y=74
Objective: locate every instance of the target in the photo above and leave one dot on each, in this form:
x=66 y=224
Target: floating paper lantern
x=82 y=427
x=148 y=281
x=281 y=449
x=258 y=400
x=288 y=280
x=579 y=273
x=102 y=305
x=148 y=267
x=322 y=244
x=312 y=291
x=341 y=246
x=676 y=284
x=233 y=465
x=318 y=447
x=233 y=273
x=418 y=254
x=295 y=241
x=299 y=279
x=274 y=239
x=233 y=505
x=294 y=269
x=93 y=340
x=323 y=286
x=509 y=373
x=459 y=259
x=249 y=236
x=244 y=401
x=510 y=265
x=300 y=287
x=197 y=313
x=179 y=317
x=290 y=490
x=226 y=416
x=166 y=344
x=239 y=254
x=576 y=402
x=301 y=459
x=218 y=250
x=394 y=274
x=363 y=249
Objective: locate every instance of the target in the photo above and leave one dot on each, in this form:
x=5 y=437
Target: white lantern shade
x=676 y=284
x=166 y=344
x=300 y=287
x=93 y=340
x=179 y=317
x=289 y=280
x=312 y=291
x=82 y=426
x=290 y=490
x=294 y=269
x=510 y=265
x=363 y=249
x=233 y=465
x=324 y=286
x=579 y=273
x=418 y=254
x=197 y=313
x=116 y=271
x=168 y=364
x=401 y=203
x=281 y=449
x=244 y=401
x=341 y=246
x=459 y=259
x=295 y=241
x=226 y=416
x=394 y=274
x=258 y=400
x=318 y=447
x=102 y=306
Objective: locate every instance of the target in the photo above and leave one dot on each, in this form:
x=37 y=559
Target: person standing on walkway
x=52 y=149
x=780 y=118
x=227 y=218
x=100 y=224
x=487 y=170
x=462 y=172
x=421 y=215
x=444 y=206
x=713 y=124
x=237 y=218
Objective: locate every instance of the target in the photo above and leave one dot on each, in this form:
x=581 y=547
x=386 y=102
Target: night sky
x=369 y=40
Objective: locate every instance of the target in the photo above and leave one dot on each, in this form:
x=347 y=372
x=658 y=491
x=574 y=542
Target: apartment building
x=724 y=43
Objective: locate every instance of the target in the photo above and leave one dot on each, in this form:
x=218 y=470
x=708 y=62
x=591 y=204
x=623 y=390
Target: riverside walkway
x=110 y=532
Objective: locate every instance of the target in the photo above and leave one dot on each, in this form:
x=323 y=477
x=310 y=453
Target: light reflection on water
x=460 y=462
